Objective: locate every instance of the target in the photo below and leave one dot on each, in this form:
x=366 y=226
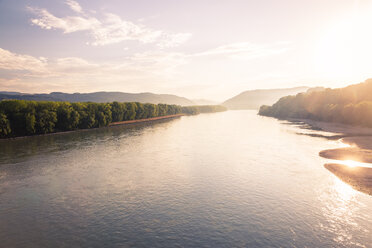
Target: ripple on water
x=231 y=179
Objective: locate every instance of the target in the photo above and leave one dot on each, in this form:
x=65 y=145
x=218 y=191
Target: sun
x=344 y=50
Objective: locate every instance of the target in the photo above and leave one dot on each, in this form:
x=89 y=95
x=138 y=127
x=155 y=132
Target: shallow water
x=231 y=179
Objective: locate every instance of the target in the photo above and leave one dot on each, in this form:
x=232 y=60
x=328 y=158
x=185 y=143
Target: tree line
x=201 y=109
x=350 y=105
x=21 y=118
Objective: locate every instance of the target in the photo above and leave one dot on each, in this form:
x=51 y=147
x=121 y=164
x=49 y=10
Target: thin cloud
x=75 y=6
x=115 y=30
x=74 y=65
x=68 y=24
x=20 y=62
x=173 y=40
x=146 y=70
x=110 y=29
x=245 y=50
x=144 y=66
x=76 y=74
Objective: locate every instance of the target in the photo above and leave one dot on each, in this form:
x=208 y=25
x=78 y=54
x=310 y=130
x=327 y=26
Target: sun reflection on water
x=352 y=163
x=344 y=191
x=340 y=210
x=341 y=204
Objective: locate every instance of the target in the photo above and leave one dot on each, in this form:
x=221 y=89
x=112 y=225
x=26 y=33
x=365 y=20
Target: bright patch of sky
x=197 y=49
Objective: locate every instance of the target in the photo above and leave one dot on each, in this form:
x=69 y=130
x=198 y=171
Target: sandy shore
x=359 y=178
x=338 y=128
x=359 y=149
x=348 y=153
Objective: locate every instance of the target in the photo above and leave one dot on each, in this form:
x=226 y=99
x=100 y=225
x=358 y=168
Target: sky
x=200 y=49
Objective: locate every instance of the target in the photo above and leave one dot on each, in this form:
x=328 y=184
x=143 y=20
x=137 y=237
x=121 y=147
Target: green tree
x=20 y=117
x=46 y=121
x=103 y=115
x=67 y=117
x=163 y=109
x=131 y=111
x=4 y=126
x=30 y=123
x=117 y=110
x=140 y=113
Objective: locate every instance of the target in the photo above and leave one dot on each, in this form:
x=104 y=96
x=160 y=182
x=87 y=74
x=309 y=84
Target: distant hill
x=100 y=97
x=9 y=93
x=204 y=102
x=253 y=99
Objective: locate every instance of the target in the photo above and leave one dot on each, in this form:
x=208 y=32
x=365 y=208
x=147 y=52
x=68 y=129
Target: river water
x=231 y=179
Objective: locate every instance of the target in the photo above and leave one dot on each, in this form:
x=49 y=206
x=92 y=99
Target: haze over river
x=231 y=179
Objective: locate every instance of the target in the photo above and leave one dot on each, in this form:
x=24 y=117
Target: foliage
x=4 y=126
x=20 y=117
x=349 y=105
x=194 y=110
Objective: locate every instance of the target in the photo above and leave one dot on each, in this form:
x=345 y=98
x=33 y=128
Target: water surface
x=231 y=179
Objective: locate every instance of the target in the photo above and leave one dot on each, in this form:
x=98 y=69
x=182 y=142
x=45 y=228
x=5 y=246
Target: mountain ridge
x=100 y=96
x=253 y=99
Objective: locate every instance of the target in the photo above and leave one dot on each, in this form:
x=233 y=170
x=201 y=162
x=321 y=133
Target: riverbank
x=360 y=178
x=145 y=120
x=358 y=149
x=131 y=122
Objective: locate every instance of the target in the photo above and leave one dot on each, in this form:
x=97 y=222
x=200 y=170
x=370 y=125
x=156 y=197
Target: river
x=231 y=179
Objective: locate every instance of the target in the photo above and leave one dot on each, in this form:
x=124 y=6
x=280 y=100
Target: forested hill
x=100 y=97
x=253 y=99
x=349 y=105
x=21 y=118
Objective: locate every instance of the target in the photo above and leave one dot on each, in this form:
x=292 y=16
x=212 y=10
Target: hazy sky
x=211 y=49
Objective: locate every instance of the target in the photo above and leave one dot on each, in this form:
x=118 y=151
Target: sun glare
x=352 y=163
x=345 y=192
x=345 y=49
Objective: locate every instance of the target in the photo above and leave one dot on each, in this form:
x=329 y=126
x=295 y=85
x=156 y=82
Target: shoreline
x=359 y=178
x=113 y=124
x=358 y=142
x=145 y=120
